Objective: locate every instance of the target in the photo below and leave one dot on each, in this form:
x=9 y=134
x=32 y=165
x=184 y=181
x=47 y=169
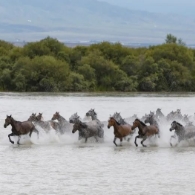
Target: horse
x=175 y=115
x=93 y=116
x=95 y=125
x=73 y=118
x=63 y=123
x=159 y=114
x=117 y=116
x=183 y=133
x=85 y=131
x=120 y=131
x=46 y=125
x=152 y=121
x=144 y=131
x=19 y=128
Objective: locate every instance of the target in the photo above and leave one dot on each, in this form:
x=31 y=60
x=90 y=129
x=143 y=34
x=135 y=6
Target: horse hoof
x=171 y=145
x=12 y=142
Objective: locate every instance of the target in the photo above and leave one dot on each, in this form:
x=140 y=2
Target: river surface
x=56 y=164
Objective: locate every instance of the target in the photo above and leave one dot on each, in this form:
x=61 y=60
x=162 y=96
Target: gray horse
x=73 y=118
x=159 y=114
x=86 y=131
x=94 y=125
x=45 y=125
x=183 y=133
x=64 y=125
x=93 y=116
x=117 y=116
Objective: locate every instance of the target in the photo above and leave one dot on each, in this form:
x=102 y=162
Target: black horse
x=19 y=128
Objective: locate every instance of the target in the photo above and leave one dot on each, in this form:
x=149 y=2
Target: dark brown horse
x=120 y=131
x=19 y=128
x=144 y=131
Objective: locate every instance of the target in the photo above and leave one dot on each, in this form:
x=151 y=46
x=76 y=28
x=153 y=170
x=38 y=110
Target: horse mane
x=140 y=122
x=83 y=125
x=178 y=123
x=115 y=120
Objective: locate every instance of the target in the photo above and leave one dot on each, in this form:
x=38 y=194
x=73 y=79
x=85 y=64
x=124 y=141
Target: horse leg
x=96 y=138
x=136 y=140
x=18 y=142
x=11 y=134
x=86 y=140
x=142 y=142
x=121 y=139
x=35 y=131
x=170 y=140
x=114 y=141
x=158 y=134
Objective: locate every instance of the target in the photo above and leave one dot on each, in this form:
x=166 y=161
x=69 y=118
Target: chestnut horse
x=120 y=131
x=144 y=131
x=19 y=128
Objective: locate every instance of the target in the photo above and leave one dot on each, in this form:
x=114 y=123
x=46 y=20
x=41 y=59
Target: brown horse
x=144 y=131
x=120 y=131
x=19 y=128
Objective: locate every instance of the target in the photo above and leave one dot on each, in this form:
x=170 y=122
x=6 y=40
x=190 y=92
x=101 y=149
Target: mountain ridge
x=88 y=20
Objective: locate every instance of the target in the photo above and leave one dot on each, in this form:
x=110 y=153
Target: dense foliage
x=49 y=65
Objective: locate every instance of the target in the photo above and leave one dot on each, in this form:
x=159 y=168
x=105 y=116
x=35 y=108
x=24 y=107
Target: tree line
x=50 y=66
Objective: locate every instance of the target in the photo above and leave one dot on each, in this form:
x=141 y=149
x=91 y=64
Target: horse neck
x=140 y=127
x=116 y=126
x=153 y=121
x=13 y=123
x=94 y=117
x=61 y=119
x=179 y=129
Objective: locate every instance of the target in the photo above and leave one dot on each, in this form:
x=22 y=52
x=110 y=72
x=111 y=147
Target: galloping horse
x=144 y=131
x=64 y=125
x=183 y=133
x=73 y=118
x=117 y=116
x=93 y=116
x=86 y=131
x=120 y=131
x=46 y=125
x=19 y=128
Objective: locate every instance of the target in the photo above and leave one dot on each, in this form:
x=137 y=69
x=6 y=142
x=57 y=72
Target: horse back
x=24 y=127
x=125 y=130
x=151 y=130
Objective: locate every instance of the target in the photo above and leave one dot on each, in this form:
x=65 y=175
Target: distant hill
x=182 y=7
x=84 y=20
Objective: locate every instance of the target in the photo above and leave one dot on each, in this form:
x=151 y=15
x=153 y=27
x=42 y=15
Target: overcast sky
x=163 y=6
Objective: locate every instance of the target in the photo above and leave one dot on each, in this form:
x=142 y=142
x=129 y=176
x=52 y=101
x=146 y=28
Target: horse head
x=8 y=121
x=78 y=125
x=91 y=113
x=111 y=122
x=39 y=117
x=32 y=117
x=175 y=126
x=74 y=118
x=55 y=116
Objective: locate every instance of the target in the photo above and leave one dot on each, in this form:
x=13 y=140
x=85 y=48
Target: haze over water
x=56 y=164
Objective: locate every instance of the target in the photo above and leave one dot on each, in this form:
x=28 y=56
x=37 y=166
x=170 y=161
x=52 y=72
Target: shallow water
x=56 y=164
